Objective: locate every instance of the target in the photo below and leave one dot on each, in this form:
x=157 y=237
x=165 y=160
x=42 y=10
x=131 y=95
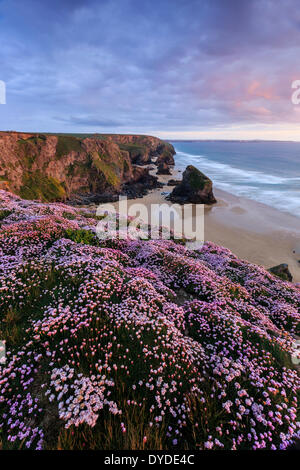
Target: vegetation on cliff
x=132 y=344
x=78 y=168
x=38 y=186
x=67 y=144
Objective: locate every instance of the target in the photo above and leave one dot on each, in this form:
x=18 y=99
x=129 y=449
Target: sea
x=265 y=171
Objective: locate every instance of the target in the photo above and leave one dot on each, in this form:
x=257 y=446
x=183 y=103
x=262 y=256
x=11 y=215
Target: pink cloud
x=257 y=90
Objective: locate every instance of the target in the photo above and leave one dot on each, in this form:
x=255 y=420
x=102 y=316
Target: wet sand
x=253 y=231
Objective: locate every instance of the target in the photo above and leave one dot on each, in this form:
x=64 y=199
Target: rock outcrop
x=142 y=149
x=163 y=169
x=144 y=182
x=195 y=188
x=173 y=182
x=78 y=168
x=165 y=153
x=282 y=271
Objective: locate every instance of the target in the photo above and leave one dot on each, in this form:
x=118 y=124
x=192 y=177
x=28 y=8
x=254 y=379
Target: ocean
x=268 y=172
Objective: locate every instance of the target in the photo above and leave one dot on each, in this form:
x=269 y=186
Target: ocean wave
x=280 y=192
x=236 y=173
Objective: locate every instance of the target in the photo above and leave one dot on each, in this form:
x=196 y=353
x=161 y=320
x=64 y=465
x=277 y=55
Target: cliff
x=77 y=168
x=135 y=344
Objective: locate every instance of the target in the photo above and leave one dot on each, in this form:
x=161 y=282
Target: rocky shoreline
x=80 y=168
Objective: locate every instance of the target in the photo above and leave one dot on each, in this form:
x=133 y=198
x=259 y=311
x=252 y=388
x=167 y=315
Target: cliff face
x=78 y=169
x=143 y=148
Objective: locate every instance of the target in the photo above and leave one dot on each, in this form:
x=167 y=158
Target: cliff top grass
x=67 y=144
x=196 y=178
x=39 y=186
x=133 y=149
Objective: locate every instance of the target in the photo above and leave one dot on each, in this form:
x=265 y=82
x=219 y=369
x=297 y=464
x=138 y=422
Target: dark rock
x=173 y=182
x=282 y=271
x=142 y=185
x=195 y=188
x=163 y=169
x=166 y=156
x=142 y=182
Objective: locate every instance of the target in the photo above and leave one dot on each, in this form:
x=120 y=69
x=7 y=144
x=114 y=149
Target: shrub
x=38 y=186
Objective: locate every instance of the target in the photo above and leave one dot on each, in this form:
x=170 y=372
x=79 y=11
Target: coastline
x=253 y=231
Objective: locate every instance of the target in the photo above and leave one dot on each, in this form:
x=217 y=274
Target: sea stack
x=163 y=169
x=195 y=188
x=282 y=271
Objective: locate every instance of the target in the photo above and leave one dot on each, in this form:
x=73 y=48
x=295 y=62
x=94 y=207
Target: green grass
x=14 y=320
x=68 y=215
x=107 y=434
x=198 y=180
x=106 y=167
x=91 y=215
x=280 y=357
x=67 y=144
x=134 y=149
x=34 y=140
x=81 y=236
x=28 y=150
x=4 y=213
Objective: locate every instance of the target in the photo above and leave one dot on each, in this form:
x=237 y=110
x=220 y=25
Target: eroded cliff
x=78 y=168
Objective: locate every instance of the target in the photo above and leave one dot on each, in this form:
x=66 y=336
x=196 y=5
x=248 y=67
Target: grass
x=134 y=149
x=68 y=215
x=11 y=327
x=38 y=186
x=4 y=213
x=85 y=307
x=67 y=144
x=92 y=215
x=44 y=287
x=280 y=357
x=107 y=434
x=81 y=236
x=198 y=180
x=106 y=167
x=29 y=148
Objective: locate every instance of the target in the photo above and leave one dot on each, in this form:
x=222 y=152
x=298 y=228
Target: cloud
x=148 y=66
x=90 y=121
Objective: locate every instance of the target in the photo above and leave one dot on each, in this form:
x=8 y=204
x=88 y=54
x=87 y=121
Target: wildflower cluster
x=139 y=344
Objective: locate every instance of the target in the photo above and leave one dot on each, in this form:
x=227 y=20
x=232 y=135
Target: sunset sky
x=176 y=69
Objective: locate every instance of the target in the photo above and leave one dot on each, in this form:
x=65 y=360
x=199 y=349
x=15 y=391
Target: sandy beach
x=253 y=231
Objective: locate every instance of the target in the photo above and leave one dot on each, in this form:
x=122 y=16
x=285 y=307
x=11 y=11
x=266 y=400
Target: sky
x=205 y=69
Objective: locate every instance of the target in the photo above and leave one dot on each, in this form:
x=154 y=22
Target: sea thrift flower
x=198 y=343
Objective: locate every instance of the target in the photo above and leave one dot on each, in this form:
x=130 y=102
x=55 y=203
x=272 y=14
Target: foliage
x=39 y=186
x=67 y=144
x=102 y=353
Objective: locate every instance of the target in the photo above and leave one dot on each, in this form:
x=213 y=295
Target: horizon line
x=150 y=134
